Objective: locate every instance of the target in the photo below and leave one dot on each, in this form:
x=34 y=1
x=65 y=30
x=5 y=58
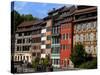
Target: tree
x=78 y=55
x=89 y=64
x=15 y=20
x=35 y=63
x=28 y=17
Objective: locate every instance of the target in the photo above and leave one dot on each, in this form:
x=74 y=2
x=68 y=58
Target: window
x=43 y=34
x=36 y=40
x=65 y=46
x=43 y=42
x=63 y=36
x=33 y=54
x=27 y=58
x=81 y=38
x=23 y=40
x=27 y=33
x=34 y=47
x=55 y=49
x=53 y=30
x=78 y=27
x=18 y=58
x=48 y=46
x=56 y=61
x=38 y=54
x=63 y=26
x=92 y=36
x=94 y=24
x=36 y=32
x=48 y=37
x=84 y=26
x=27 y=40
x=77 y=38
x=48 y=28
x=19 y=41
x=20 y=34
x=23 y=57
x=57 y=41
x=87 y=37
x=15 y=58
x=18 y=48
x=89 y=25
x=66 y=36
x=26 y=48
x=30 y=40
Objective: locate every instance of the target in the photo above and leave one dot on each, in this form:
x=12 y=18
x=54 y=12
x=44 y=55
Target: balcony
x=86 y=16
x=55 y=45
x=55 y=34
x=57 y=24
x=36 y=28
x=55 y=50
x=57 y=56
x=37 y=35
x=43 y=46
x=36 y=50
x=43 y=31
x=56 y=31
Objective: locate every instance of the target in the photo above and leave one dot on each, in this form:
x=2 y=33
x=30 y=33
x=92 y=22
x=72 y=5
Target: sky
x=39 y=10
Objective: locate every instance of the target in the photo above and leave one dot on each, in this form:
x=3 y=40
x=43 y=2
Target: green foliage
x=46 y=61
x=28 y=17
x=42 y=61
x=16 y=19
x=35 y=62
x=89 y=64
x=78 y=55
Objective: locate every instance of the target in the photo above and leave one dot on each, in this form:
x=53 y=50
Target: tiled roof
x=29 y=23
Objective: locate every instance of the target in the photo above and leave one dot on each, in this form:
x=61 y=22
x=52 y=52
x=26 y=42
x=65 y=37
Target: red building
x=66 y=44
x=66 y=40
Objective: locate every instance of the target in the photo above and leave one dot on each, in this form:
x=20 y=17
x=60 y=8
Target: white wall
x=43 y=38
x=43 y=31
x=43 y=46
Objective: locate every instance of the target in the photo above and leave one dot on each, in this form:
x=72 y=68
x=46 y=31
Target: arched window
x=77 y=38
x=84 y=26
x=81 y=37
x=95 y=24
x=87 y=37
x=78 y=27
x=92 y=37
x=88 y=26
